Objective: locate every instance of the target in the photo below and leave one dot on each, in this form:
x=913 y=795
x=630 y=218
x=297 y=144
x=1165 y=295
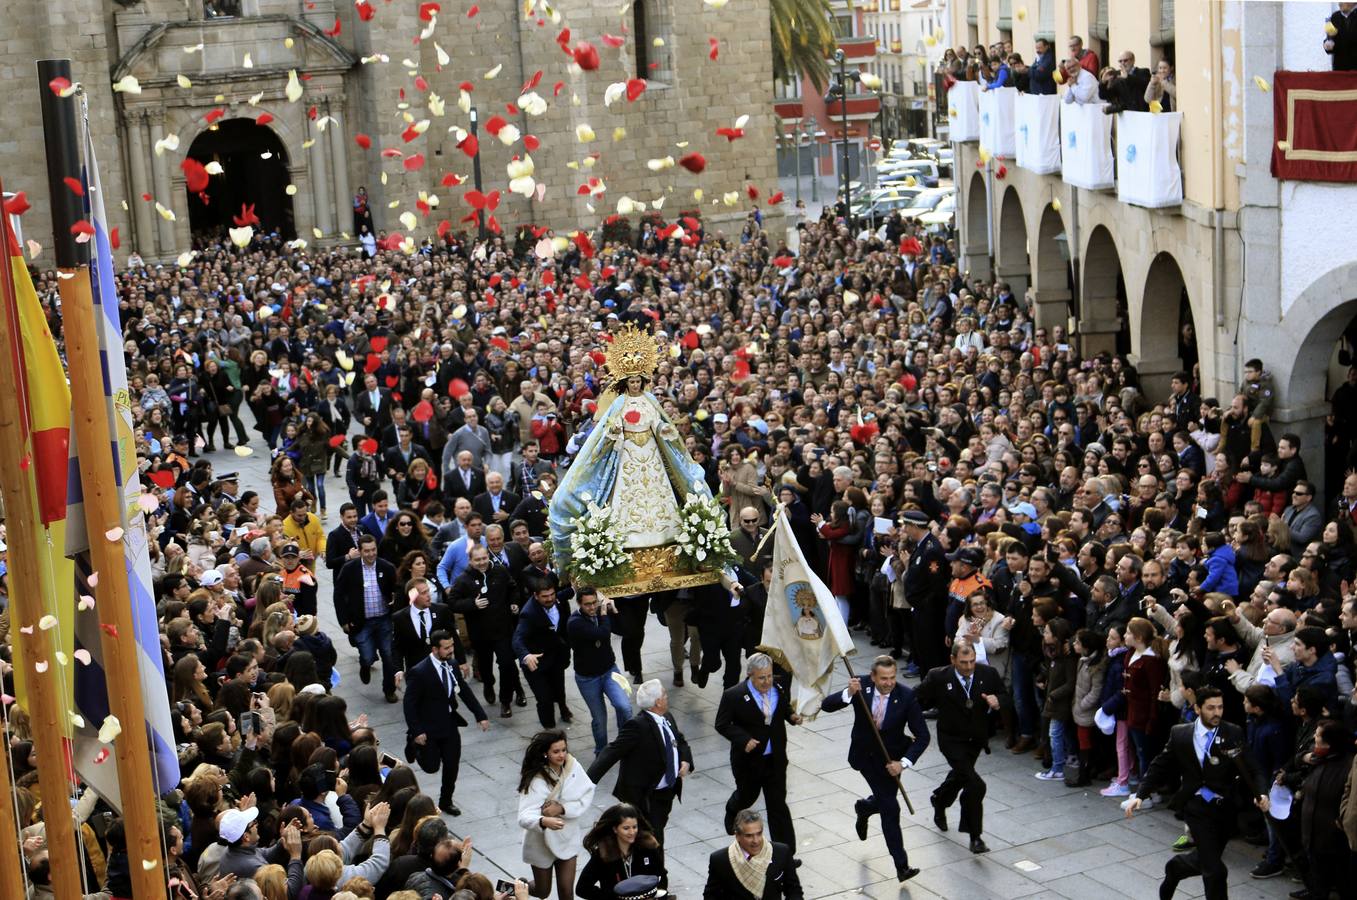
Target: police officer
x=926 y=580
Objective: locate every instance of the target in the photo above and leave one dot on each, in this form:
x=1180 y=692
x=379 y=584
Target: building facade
x=1246 y=266
x=215 y=80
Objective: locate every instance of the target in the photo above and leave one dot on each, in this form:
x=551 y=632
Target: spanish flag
x=46 y=420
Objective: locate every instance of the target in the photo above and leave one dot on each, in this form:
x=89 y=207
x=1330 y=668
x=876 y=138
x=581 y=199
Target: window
x=789 y=89
x=1164 y=20
x=1046 y=20
x=653 y=19
x=221 y=9
x=843 y=26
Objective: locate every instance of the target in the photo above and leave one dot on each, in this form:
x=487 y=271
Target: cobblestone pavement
x=1047 y=841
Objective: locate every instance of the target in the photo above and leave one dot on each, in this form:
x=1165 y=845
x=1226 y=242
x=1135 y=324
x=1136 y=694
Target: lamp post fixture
x=838 y=93
x=476 y=173
x=812 y=131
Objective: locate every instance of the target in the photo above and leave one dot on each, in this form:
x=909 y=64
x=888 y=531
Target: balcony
x=861 y=107
x=858 y=49
x=1044 y=135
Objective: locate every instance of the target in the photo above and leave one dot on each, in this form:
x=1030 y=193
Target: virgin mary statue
x=633 y=463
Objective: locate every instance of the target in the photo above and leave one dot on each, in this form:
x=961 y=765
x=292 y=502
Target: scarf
x=752 y=873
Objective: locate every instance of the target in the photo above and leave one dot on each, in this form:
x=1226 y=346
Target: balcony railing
x=1045 y=135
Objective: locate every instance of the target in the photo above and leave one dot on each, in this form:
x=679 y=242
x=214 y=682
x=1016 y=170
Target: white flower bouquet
x=704 y=537
x=597 y=556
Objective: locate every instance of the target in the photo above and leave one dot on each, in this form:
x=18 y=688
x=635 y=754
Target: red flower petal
x=428 y=10
x=363 y=141
x=494 y=124
x=613 y=40
x=75 y=185
x=196 y=178
x=59 y=85
x=694 y=162
x=264 y=119
x=531 y=142
x=635 y=88
x=586 y=56
x=456 y=388
x=414 y=163
x=470 y=145
x=113 y=240
x=366 y=10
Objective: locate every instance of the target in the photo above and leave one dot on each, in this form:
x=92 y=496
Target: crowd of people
x=967 y=485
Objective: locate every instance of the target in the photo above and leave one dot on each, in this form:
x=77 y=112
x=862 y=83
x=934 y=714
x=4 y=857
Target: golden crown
x=632 y=352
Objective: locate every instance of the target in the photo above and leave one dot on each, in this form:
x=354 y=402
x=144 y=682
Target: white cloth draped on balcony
x=963 y=111
x=1148 y=173
x=1036 y=120
x=996 y=121
x=1086 y=146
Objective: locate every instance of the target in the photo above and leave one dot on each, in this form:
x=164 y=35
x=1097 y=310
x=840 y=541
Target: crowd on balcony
x=1124 y=87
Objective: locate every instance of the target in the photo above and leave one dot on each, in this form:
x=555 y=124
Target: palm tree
x=803 y=38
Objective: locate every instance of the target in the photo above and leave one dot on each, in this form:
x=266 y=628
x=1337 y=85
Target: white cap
x=235 y=822
x=210 y=578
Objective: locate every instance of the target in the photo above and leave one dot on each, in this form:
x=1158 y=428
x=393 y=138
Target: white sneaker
x=1050 y=775
x=1147 y=803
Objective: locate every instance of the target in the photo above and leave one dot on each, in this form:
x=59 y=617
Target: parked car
x=927 y=201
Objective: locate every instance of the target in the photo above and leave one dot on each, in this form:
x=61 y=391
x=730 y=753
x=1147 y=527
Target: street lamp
x=812 y=131
x=838 y=93
x=476 y=173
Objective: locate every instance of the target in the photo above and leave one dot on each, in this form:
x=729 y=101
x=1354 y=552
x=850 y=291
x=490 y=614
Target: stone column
x=322 y=196
x=160 y=171
x=143 y=214
x=339 y=163
x=1051 y=307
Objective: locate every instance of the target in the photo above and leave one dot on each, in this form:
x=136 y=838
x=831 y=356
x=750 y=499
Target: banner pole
x=25 y=597
x=93 y=434
x=876 y=732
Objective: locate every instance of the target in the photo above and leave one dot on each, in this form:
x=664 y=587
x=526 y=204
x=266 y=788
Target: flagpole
x=876 y=733
x=25 y=597
x=93 y=434
x=11 y=873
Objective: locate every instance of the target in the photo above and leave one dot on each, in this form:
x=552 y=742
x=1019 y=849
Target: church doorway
x=254 y=172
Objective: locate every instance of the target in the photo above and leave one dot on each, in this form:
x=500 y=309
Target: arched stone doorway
x=1052 y=274
x=1103 y=307
x=1322 y=360
x=977 y=229
x=1163 y=335
x=254 y=172
x=1012 y=264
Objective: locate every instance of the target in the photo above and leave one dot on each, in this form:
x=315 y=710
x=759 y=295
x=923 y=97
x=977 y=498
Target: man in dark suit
x=341 y=544
x=893 y=709
x=526 y=472
x=373 y=407
x=488 y=597
x=965 y=695
x=752 y=868
x=413 y=625
x=495 y=504
x=655 y=758
x=1209 y=760
x=397 y=459
x=364 y=590
x=463 y=480
x=753 y=716
x=431 y=717
x=541 y=647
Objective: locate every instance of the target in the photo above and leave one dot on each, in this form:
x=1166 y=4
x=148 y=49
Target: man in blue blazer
x=895 y=711
x=432 y=719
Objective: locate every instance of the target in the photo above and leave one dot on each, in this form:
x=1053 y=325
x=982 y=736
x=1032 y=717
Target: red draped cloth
x=1314 y=124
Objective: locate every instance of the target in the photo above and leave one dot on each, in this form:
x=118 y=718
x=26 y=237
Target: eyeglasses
x=1300 y=494
x=749 y=521
x=405 y=525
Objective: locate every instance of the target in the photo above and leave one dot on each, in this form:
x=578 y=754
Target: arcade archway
x=1103 y=306
x=1164 y=334
x=1012 y=264
x=254 y=166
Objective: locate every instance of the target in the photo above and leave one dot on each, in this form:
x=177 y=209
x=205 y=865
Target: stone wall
x=693 y=96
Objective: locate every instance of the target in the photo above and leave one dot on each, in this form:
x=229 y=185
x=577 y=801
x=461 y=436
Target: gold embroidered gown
x=644 y=506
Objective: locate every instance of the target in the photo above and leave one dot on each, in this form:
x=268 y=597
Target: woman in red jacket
x=842 y=556
x=1144 y=677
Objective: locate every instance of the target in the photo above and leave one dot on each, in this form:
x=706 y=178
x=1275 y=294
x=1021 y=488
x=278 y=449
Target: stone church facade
x=376 y=75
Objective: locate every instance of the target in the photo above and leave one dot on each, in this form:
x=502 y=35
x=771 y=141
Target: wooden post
x=11 y=873
x=92 y=432
x=46 y=708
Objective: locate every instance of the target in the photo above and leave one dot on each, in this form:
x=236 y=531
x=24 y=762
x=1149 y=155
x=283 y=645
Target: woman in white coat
x=980 y=624
x=554 y=791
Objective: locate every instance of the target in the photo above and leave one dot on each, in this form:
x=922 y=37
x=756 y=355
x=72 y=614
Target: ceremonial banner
x=996 y=121
x=1148 y=173
x=1086 y=138
x=963 y=111
x=1314 y=126
x=46 y=420
x=802 y=628
x=91 y=692
x=1036 y=119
